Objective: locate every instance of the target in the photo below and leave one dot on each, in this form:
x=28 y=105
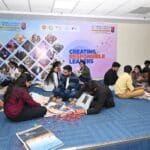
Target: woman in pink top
x=18 y=104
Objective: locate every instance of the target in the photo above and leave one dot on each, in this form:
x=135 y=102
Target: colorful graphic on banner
x=38 y=43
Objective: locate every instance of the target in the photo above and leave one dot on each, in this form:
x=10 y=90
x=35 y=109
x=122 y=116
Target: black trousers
x=29 y=113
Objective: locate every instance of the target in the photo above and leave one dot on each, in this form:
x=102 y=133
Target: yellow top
x=123 y=84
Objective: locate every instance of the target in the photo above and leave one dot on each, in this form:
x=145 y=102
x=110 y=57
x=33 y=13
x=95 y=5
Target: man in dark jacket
x=84 y=72
x=68 y=84
x=102 y=96
x=147 y=66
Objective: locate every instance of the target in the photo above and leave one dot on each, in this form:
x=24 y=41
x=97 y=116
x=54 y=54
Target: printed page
x=84 y=101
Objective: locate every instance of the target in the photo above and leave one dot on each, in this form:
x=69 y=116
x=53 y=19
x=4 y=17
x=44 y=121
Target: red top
x=16 y=101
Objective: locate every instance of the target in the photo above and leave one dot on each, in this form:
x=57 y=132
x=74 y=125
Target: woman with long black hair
x=18 y=104
x=52 y=79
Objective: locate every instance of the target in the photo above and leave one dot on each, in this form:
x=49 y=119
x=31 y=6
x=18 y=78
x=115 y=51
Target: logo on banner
x=103 y=29
x=23 y=25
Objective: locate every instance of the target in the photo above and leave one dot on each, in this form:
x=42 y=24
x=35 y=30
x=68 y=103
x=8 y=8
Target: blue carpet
x=130 y=119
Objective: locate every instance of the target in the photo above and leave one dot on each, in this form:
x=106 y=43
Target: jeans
x=65 y=93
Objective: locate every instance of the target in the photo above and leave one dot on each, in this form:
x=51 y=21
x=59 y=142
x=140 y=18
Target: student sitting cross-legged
x=18 y=104
x=124 y=87
x=68 y=84
x=52 y=80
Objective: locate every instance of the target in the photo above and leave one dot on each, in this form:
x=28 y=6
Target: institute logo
x=112 y=29
x=23 y=25
x=103 y=29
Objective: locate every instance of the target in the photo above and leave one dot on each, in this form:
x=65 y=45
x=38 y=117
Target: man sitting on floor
x=111 y=76
x=124 y=87
x=84 y=72
x=68 y=85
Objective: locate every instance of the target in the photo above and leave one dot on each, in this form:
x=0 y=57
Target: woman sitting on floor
x=136 y=75
x=18 y=104
x=52 y=79
x=102 y=96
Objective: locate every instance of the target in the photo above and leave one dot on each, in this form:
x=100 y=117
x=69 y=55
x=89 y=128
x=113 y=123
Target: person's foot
x=58 y=99
x=147 y=94
x=72 y=101
x=53 y=98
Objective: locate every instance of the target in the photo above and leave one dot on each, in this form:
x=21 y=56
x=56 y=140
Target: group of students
x=130 y=84
x=19 y=105
x=68 y=86
x=10 y=73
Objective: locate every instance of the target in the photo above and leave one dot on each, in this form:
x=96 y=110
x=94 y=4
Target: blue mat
x=126 y=126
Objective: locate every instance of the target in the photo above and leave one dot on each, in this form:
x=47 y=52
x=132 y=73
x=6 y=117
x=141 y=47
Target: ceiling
x=113 y=9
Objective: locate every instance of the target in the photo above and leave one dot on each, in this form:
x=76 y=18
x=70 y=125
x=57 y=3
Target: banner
x=38 y=43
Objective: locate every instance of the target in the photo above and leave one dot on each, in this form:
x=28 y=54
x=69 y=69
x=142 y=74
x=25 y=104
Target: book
x=84 y=101
x=74 y=107
x=58 y=108
x=39 y=138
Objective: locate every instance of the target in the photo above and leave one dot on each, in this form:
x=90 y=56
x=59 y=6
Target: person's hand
x=58 y=100
x=80 y=111
x=73 y=101
x=53 y=98
x=79 y=71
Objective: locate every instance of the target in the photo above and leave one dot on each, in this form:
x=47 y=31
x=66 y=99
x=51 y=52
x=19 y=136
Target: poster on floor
x=38 y=43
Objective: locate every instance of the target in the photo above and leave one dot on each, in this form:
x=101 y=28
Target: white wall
x=133 y=43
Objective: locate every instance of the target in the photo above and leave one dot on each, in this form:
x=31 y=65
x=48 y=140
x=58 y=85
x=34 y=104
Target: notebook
x=39 y=138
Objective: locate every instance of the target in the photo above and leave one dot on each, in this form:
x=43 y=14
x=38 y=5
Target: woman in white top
x=52 y=78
